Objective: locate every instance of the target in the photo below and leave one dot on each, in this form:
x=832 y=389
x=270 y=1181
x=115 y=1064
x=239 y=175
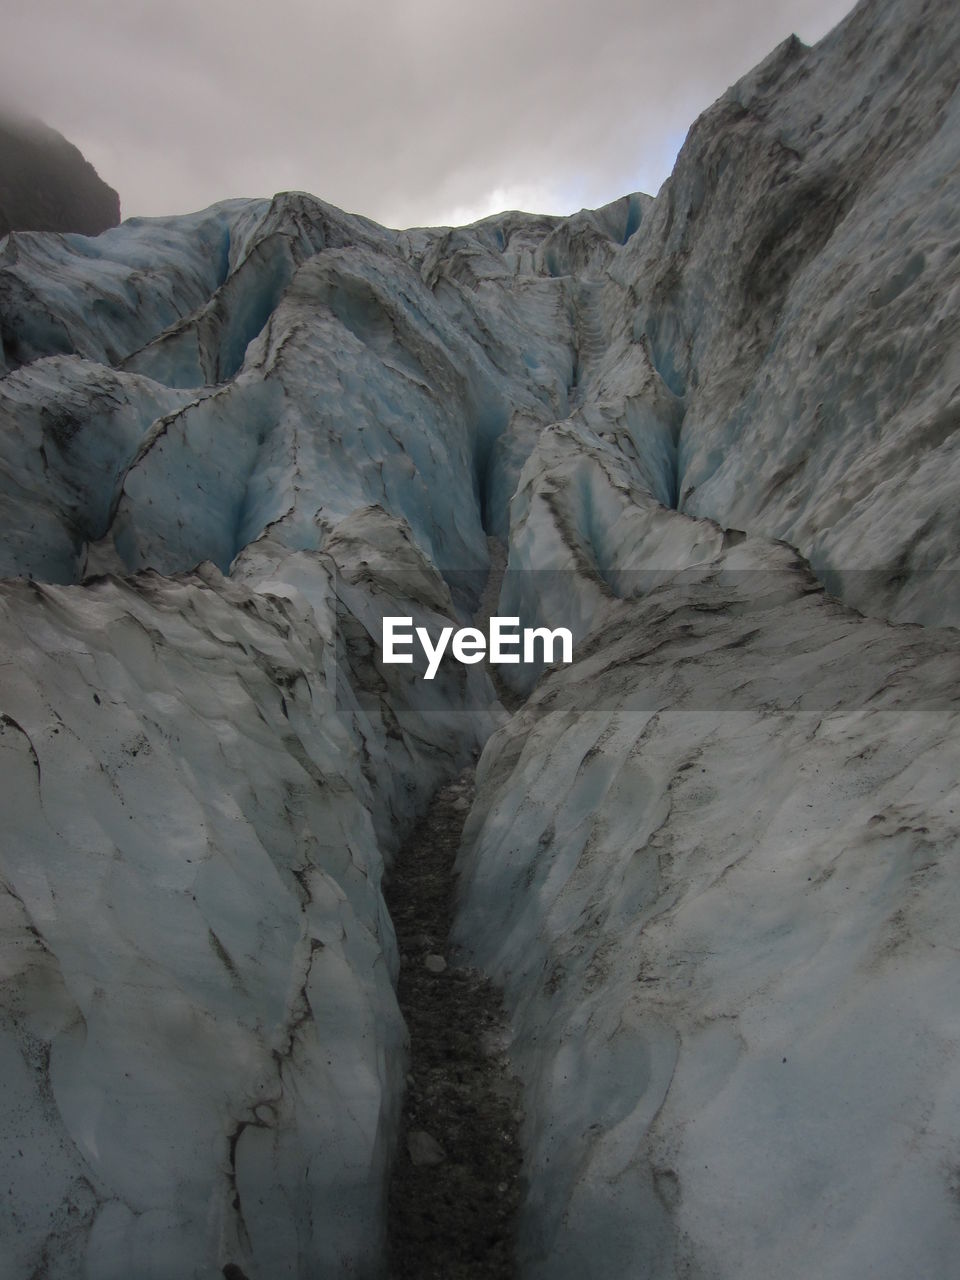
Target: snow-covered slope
x=712 y=862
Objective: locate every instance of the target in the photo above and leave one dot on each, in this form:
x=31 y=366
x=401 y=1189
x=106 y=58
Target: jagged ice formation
x=713 y=862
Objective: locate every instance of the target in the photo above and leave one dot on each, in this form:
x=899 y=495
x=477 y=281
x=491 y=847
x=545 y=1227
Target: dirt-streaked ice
x=713 y=862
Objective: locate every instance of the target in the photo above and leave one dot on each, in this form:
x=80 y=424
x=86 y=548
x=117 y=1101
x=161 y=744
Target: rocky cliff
x=47 y=185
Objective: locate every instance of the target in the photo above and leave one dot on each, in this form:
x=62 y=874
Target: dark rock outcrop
x=47 y=185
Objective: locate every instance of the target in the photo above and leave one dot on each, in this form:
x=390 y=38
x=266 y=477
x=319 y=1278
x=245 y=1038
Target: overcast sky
x=409 y=111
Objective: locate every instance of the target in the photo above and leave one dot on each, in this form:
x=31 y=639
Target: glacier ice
x=719 y=897
x=199 y=961
x=711 y=862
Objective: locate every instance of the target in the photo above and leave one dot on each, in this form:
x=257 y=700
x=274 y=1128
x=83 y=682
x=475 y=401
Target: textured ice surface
x=713 y=862
x=190 y=896
x=814 y=209
x=202 y=1050
x=69 y=429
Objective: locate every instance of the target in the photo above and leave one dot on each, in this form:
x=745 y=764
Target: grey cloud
x=409 y=112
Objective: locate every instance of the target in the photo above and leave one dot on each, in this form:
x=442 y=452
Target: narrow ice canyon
x=712 y=863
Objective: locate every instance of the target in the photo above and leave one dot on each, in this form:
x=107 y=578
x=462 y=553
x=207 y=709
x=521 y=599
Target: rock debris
x=457 y=1183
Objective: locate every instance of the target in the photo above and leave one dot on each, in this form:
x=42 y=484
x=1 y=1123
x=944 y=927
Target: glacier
x=711 y=863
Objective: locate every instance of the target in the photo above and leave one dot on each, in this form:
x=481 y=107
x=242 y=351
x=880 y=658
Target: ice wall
x=714 y=866
x=712 y=862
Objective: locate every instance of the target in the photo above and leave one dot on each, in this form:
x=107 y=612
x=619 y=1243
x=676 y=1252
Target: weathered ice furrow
x=456 y=1183
x=713 y=862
